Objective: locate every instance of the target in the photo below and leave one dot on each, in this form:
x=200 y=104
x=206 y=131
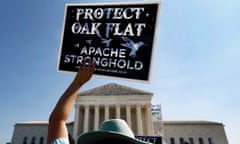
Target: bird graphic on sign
x=106 y=41
x=89 y=41
x=132 y=46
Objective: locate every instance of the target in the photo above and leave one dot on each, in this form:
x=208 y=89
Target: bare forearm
x=58 y=118
x=64 y=106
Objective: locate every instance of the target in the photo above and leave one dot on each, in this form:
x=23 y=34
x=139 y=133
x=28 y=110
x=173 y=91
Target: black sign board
x=120 y=38
x=151 y=139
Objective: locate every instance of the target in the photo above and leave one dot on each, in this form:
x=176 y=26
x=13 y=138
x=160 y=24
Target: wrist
x=78 y=82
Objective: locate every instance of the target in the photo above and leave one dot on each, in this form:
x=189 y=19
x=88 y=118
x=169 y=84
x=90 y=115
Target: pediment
x=113 y=89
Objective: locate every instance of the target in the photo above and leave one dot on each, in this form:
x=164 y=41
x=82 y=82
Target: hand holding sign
x=118 y=37
x=85 y=72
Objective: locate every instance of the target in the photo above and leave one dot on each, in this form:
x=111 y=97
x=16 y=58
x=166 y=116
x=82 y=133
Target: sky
x=196 y=64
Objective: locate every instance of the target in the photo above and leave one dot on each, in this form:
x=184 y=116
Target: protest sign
x=119 y=37
x=151 y=139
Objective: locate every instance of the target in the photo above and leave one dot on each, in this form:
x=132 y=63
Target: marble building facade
x=133 y=105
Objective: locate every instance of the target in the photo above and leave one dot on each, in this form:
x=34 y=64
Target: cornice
x=113 y=89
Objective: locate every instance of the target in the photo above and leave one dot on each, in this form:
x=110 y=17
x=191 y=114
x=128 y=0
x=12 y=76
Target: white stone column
x=139 y=120
x=76 y=121
x=149 y=120
x=86 y=118
x=118 y=111
x=128 y=115
x=106 y=112
x=96 y=117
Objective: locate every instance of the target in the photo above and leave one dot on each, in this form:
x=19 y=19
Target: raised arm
x=58 y=118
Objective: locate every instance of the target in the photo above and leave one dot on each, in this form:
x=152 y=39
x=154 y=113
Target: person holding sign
x=111 y=131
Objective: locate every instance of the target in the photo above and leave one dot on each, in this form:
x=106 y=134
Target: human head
x=111 y=131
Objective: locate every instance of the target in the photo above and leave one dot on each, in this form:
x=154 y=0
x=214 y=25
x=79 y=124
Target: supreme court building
x=133 y=105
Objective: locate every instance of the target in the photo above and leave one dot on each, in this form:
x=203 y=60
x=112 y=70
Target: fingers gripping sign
x=85 y=72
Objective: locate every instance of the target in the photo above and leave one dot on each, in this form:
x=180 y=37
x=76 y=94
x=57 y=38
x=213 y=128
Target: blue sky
x=195 y=72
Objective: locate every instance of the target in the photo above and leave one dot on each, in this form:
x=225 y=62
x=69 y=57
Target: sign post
x=120 y=38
